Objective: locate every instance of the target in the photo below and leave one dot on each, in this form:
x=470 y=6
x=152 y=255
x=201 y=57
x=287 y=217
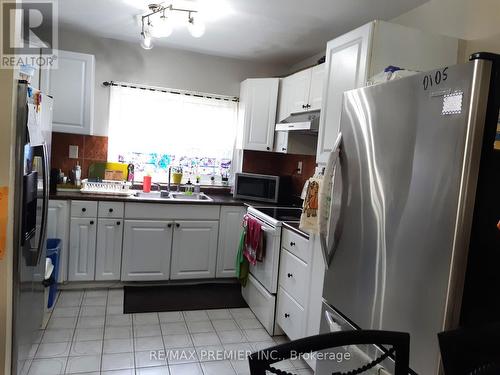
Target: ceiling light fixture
x=196 y=28
x=157 y=23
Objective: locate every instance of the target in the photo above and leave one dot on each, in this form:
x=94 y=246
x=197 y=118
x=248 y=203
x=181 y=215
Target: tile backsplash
x=280 y=164
x=91 y=149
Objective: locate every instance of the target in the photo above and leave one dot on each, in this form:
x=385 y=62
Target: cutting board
x=98 y=170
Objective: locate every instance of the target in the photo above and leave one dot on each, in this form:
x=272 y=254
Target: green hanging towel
x=242 y=264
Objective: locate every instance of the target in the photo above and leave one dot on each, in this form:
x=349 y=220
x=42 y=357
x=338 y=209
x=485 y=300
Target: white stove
x=260 y=291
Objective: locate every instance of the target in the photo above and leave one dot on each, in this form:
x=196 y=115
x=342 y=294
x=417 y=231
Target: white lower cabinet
x=147 y=246
x=290 y=315
x=229 y=239
x=82 y=249
x=194 y=249
x=58 y=227
x=294 y=300
x=109 y=249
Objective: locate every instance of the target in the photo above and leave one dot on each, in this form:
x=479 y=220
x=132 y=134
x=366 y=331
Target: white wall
x=128 y=62
x=475 y=21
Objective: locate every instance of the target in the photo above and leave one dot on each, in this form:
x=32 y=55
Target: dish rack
x=106 y=187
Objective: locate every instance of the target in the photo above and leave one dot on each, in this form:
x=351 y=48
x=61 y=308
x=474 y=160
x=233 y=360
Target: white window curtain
x=155 y=130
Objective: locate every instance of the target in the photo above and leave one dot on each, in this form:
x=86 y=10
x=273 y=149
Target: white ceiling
x=277 y=31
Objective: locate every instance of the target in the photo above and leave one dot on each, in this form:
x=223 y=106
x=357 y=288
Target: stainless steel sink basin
x=150 y=195
x=191 y=197
x=178 y=196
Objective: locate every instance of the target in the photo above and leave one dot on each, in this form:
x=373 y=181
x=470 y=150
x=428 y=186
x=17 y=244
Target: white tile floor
x=88 y=334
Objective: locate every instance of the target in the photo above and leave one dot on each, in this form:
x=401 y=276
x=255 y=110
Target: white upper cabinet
x=257 y=114
x=345 y=69
x=353 y=58
x=316 y=87
x=301 y=92
x=72 y=86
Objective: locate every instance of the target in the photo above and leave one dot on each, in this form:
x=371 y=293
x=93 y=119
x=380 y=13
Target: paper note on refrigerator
x=34 y=125
x=4 y=211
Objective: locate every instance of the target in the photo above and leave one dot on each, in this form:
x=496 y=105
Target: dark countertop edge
x=296 y=230
x=223 y=200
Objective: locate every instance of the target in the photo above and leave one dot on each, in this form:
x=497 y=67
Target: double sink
x=177 y=196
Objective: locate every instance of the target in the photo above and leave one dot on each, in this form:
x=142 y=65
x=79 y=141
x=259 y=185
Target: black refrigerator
x=33 y=134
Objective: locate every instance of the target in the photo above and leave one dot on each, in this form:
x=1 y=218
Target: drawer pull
x=92 y=222
x=292 y=243
x=177 y=225
x=287 y=315
x=169 y=225
x=289 y=275
x=84 y=209
x=110 y=210
x=118 y=223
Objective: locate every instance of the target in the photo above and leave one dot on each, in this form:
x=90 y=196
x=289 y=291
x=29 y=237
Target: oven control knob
x=290 y=275
x=84 y=209
x=287 y=315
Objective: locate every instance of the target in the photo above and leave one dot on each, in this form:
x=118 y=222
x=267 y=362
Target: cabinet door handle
x=91 y=222
x=118 y=223
x=169 y=225
x=110 y=210
x=283 y=149
x=289 y=275
x=292 y=243
x=84 y=209
x=177 y=225
x=304 y=106
x=287 y=315
x=267 y=148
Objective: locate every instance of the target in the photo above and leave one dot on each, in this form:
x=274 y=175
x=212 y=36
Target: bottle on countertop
x=78 y=174
x=130 y=173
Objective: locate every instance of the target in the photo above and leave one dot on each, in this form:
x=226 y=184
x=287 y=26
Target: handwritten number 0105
x=435 y=79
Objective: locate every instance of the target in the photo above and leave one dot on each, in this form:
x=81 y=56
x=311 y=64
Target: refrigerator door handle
x=326 y=200
x=45 y=205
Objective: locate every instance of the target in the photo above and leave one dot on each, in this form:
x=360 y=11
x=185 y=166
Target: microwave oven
x=262 y=187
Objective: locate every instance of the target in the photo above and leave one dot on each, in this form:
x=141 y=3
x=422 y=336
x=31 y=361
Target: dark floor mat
x=139 y=299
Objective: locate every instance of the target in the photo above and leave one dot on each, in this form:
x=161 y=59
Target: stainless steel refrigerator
x=32 y=157
x=414 y=196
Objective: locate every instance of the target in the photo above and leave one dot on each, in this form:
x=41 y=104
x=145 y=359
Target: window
x=154 y=130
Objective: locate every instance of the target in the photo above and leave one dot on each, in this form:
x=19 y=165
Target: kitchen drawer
x=111 y=210
x=294 y=276
x=83 y=209
x=290 y=316
x=296 y=244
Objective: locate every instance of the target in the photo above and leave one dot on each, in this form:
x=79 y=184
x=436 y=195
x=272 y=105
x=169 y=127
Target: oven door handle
x=268 y=230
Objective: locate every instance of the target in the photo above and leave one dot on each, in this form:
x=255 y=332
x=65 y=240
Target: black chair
x=261 y=361
x=471 y=351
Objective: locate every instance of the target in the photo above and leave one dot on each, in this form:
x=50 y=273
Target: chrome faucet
x=157 y=185
x=169 y=174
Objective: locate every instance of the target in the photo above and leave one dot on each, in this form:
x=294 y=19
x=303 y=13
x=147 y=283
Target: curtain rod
x=172 y=91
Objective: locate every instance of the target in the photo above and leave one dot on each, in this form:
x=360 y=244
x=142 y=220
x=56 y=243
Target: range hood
x=301 y=121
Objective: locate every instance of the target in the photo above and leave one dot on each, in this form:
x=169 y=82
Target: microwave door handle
x=45 y=204
x=333 y=163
